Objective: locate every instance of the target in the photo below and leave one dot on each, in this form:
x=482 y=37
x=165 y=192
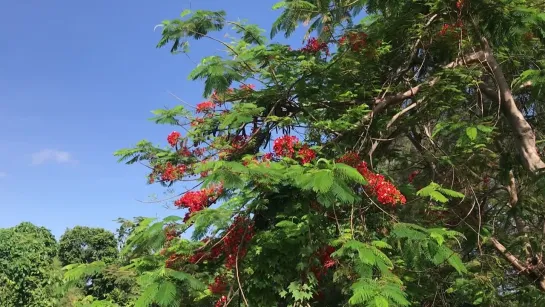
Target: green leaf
x=435 y=195
x=146 y=298
x=185 y=13
x=166 y=294
x=451 y=193
x=279 y=5
x=439 y=238
x=380 y=301
x=471 y=133
x=323 y=180
x=485 y=129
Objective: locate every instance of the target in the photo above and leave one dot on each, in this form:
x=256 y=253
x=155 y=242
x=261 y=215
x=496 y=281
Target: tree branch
x=525 y=138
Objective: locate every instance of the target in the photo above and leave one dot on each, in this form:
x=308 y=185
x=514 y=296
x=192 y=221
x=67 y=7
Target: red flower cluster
x=247 y=87
x=215 y=97
x=184 y=152
x=222 y=301
x=195 y=201
x=413 y=175
x=356 y=40
x=459 y=4
x=199 y=151
x=350 y=158
x=324 y=256
x=197 y=121
x=171 y=233
x=206 y=106
x=238 y=234
x=172 y=260
x=314 y=46
x=444 y=29
x=218 y=286
x=306 y=154
x=385 y=191
x=267 y=157
x=283 y=146
x=171 y=172
x=239 y=142
x=173 y=138
x=234 y=243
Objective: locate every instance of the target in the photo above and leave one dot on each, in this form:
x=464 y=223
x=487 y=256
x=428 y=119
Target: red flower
x=199 y=151
x=314 y=46
x=239 y=233
x=324 y=256
x=194 y=201
x=197 y=121
x=206 y=106
x=218 y=286
x=306 y=154
x=267 y=156
x=444 y=29
x=350 y=158
x=385 y=191
x=222 y=301
x=283 y=146
x=459 y=4
x=173 y=138
x=412 y=175
x=239 y=142
x=357 y=41
x=247 y=87
x=171 y=173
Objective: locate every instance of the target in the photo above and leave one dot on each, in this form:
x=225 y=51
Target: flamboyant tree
x=392 y=160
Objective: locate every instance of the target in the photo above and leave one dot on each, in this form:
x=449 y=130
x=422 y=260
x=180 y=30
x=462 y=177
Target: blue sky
x=78 y=80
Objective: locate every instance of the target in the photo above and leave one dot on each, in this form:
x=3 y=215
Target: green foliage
x=85 y=245
x=405 y=88
x=27 y=266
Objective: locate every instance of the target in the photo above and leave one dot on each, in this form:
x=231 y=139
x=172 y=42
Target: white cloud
x=52 y=155
x=3 y=174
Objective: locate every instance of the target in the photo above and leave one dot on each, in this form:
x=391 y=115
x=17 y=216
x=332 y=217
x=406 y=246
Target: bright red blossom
x=222 y=301
x=350 y=158
x=324 y=256
x=283 y=146
x=239 y=233
x=267 y=157
x=171 y=172
x=197 y=121
x=173 y=138
x=459 y=4
x=413 y=175
x=218 y=286
x=314 y=46
x=306 y=154
x=377 y=185
x=356 y=40
x=206 y=106
x=247 y=87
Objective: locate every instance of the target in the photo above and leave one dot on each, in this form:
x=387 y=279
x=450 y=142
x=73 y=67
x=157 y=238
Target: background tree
x=29 y=272
x=85 y=245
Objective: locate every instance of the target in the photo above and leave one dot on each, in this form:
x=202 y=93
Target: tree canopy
x=394 y=159
x=85 y=245
x=28 y=272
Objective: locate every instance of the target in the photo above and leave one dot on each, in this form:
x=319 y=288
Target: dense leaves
x=28 y=269
x=391 y=160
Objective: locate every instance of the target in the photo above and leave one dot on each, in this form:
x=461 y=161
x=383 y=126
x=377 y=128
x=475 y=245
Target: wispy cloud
x=3 y=175
x=52 y=155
